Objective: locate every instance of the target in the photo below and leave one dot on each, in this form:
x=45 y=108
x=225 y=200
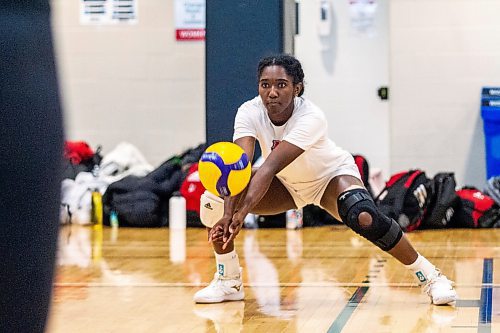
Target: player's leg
x=347 y=199
x=398 y=245
x=227 y=283
x=276 y=200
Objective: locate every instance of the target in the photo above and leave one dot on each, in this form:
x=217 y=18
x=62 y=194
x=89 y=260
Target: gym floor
x=322 y=279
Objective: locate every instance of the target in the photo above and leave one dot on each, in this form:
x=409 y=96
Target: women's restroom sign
x=190 y=20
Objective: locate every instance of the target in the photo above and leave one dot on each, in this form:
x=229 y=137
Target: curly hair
x=291 y=65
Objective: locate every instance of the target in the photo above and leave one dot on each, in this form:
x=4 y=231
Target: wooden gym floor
x=311 y=280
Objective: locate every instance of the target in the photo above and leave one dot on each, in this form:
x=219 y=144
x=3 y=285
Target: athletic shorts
x=312 y=192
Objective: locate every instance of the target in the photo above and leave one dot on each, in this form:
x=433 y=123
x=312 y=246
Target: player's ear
x=298 y=89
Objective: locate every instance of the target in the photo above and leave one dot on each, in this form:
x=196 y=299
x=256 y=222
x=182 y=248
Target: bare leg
x=228 y=284
x=276 y=200
x=435 y=284
x=402 y=251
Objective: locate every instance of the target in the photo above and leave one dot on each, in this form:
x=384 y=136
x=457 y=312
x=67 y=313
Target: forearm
x=256 y=190
x=281 y=156
x=230 y=205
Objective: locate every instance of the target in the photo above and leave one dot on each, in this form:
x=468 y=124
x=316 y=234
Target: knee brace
x=211 y=209
x=383 y=231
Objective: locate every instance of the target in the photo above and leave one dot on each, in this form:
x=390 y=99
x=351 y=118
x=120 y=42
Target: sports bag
x=443 y=200
x=79 y=157
x=404 y=198
x=315 y=216
x=476 y=210
x=139 y=208
x=143 y=201
x=192 y=189
x=493 y=188
x=272 y=221
x=364 y=171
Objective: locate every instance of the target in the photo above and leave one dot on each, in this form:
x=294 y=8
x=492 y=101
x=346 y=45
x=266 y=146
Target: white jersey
x=307 y=129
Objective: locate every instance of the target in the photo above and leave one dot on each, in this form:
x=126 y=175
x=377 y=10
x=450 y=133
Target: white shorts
x=312 y=192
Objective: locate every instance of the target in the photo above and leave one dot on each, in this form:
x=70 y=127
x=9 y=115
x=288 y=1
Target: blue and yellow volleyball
x=224 y=169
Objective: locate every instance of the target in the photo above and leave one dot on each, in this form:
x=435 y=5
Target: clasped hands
x=226 y=229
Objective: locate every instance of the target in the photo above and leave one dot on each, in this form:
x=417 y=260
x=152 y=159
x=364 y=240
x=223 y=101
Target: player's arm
x=247 y=143
x=220 y=231
x=280 y=157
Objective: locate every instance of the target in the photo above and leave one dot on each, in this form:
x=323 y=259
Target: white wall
x=442 y=52
x=343 y=71
x=137 y=84
x=131 y=83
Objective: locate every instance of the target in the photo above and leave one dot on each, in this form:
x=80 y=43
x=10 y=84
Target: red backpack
x=476 y=210
x=405 y=198
x=364 y=171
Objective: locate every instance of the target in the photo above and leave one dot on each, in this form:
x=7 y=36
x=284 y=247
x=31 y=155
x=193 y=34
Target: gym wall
x=136 y=83
x=442 y=53
x=131 y=83
x=439 y=55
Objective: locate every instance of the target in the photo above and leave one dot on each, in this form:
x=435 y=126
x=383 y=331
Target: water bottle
x=294 y=218
x=177 y=211
x=96 y=204
x=114 y=223
x=96 y=219
x=113 y=219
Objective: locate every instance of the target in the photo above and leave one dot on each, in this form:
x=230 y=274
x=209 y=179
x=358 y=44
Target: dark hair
x=291 y=65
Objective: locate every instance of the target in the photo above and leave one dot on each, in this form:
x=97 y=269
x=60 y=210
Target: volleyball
x=224 y=169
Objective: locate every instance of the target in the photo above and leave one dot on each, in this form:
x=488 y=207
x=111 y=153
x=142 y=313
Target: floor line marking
x=484 y=320
x=346 y=313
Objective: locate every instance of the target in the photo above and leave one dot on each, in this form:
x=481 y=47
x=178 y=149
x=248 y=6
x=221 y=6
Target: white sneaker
x=440 y=289
x=221 y=289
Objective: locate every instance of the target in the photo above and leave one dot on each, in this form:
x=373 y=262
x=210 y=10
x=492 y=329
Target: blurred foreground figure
x=31 y=154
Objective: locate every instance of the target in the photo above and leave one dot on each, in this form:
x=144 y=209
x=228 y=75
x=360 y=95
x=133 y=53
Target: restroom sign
x=190 y=20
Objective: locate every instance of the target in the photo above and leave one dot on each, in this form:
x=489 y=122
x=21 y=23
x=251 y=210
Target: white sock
x=422 y=269
x=228 y=264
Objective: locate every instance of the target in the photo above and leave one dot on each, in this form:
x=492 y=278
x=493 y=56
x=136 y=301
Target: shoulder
x=250 y=113
x=306 y=108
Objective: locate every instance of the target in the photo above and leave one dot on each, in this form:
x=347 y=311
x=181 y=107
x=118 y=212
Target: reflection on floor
x=323 y=279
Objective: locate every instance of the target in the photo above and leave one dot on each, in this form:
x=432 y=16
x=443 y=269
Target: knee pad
x=383 y=231
x=211 y=209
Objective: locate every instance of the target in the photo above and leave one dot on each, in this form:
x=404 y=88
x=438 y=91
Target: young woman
x=302 y=166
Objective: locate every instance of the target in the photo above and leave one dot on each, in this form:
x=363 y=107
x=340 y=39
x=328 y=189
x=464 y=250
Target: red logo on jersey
x=275 y=144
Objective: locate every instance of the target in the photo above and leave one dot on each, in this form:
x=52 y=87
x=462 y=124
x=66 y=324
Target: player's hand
x=234 y=227
x=220 y=230
x=215 y=234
